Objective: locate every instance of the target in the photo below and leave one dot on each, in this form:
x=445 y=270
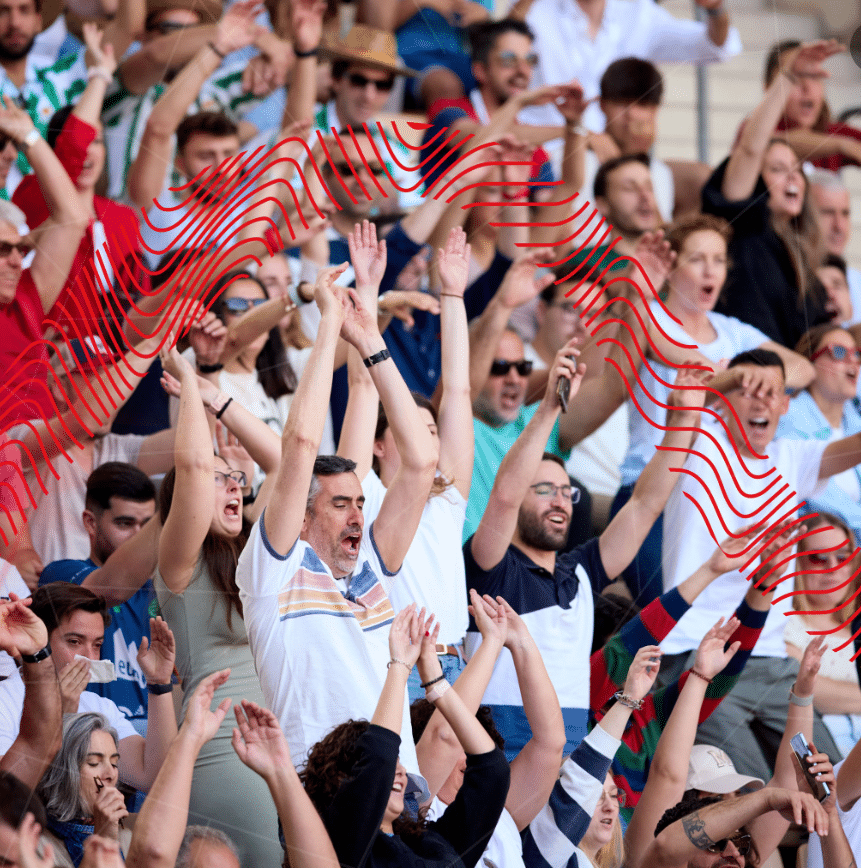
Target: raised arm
x=304 y=429
x=745 y=162
x=101 y=66
x=840 y=455
x=517 y=470
x=124 y=27
x=146 y=177
x=160 y=825
x=626 y=532
x=40 y=734
x=456 y=435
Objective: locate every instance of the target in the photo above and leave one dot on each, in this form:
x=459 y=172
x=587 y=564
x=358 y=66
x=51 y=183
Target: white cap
x=712 y=771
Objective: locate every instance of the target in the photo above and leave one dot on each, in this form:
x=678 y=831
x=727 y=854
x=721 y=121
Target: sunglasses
x=741 y=842
x=22 y=247
x=817 y=559
x=345 y=170
x=240 y=305
x=236 y=475
x=838 y=353
x=508 y=59
x=360 y=81
x=548 y=489
x=501 y=367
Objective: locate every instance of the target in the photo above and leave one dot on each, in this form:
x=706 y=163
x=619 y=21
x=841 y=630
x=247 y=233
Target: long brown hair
x=220 y=554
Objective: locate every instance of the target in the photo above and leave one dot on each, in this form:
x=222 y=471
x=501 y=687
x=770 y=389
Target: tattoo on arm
x=695 y=829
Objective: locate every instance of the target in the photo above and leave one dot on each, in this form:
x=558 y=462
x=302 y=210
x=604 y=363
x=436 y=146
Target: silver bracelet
x=628 y=701
x=801 y=701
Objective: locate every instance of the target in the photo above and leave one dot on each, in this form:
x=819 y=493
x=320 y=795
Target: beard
x=539 y=535
x=12 y=54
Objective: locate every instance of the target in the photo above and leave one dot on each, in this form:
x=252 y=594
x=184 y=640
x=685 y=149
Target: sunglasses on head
x=23 y=248
x=838 y=353
x=741 y=842
x=237 y=304
x=508 y=59
x=358 y=80
x=166 y=27
x=501 y=367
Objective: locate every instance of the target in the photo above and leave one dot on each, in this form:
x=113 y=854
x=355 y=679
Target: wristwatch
x=39 y=656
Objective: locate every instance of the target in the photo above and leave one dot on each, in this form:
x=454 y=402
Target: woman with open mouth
x=761 y=190
x=828 y=409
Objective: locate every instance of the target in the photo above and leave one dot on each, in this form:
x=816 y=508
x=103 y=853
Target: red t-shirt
x=23 y=357
x=82 y=303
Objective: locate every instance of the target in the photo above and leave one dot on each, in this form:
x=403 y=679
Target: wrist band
x=700 y=675
x=437 y=692
x=220 y=413
x=99 y=72
x=209 y=369
x=376 y=358
x=216 y=51
x=627 y=701
x=432 y=682
x=452 y=295
x=39 y=656
x=312 y=53
x=159 y=689
x=30 y=139
x=579 y=129
x=802 y=701
x=217 y=405
x=402 y=662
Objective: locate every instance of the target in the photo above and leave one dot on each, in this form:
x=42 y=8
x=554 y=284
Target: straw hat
x=370 y=47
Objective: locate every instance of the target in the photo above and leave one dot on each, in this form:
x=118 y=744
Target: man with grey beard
x=514 y=553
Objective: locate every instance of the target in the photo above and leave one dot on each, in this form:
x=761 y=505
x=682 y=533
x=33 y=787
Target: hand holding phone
x=821 y=791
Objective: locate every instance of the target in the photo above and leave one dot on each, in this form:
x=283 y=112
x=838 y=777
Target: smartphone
x=802 y=750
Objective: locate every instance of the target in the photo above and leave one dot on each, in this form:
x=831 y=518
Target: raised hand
x=306 y=23
x=237 y=28
x=821 y=767
x=156 y=656
x=808 y=669
x=731 y=555
x=368 y=256
x=102 y=54
x=519 y=284
x=28 y=846
x=259 y=741
x=689 y=391
x=656 y=260
x=711 y=657
x=517 y=169
x=410 y=279
x=401 y=303
x=490 y=617
x=565 y=366
x=453 y=263
x=330 y=301
x=405 y=636
x=207 y=337
x=14 y=122
x=21 y=631
x=642 y=672
x=201 y=722
x=429 y=665
x=799 y=808
x=518 y=633
x=808 y=58
x=174 y=363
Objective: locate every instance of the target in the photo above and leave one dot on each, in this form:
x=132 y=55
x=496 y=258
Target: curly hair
x=331 y=762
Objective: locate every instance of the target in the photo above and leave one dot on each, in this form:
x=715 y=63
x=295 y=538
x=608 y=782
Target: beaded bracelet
x=699 y=675
x=402 y=662
x=432 y=682
x=627 y=701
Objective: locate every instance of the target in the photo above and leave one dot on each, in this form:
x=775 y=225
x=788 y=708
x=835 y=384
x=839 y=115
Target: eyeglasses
x=508 y=59
x=166 y=27
x=236 y=475
x=360 y=81
x=237 y=304
x=548 y=489
x=838 y=353
x=22 y=247
x=618 y=796
x=567 y=307
x=741 y=842
x=345 y=170
x=501 y=367
x=833 y=559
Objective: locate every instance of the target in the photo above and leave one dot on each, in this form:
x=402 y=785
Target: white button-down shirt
x=629 y=28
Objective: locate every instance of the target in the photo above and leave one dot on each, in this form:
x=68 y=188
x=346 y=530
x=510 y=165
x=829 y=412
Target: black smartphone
x=802 y=750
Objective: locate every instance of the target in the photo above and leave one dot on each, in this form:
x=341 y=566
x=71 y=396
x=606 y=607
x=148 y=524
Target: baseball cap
x=712 y=771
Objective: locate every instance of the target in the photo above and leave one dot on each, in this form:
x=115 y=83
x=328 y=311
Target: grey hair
x=827 y=180
x=202 y=833
x=327 y=465
x=12 y=215
x=60 y=788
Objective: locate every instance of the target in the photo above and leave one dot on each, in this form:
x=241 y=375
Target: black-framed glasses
x=838 y=353
x=740 y=840
x=361 y=81
x=237 y=304
x=24 y=249
x=236 y=475
x=548 y=489
x=501 y=367
x=508 y=59
x=167 y=27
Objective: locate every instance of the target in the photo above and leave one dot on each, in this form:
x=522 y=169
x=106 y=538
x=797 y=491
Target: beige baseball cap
x=712 y=771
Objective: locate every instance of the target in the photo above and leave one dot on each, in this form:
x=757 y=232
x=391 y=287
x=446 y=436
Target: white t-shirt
x=504 y=849
x=12 y=704
x=432 y=574
x=688 y=542
x=733 y=337
x=320 y=652
x=851 y=822
x=57 y=526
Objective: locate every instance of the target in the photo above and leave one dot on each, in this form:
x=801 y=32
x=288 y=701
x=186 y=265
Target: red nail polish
x=427 y=633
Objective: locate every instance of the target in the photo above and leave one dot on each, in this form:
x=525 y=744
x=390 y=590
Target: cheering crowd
x=401 y=464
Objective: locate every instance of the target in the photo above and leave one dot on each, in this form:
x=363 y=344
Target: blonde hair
x=805 y=602
x=612 y=854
